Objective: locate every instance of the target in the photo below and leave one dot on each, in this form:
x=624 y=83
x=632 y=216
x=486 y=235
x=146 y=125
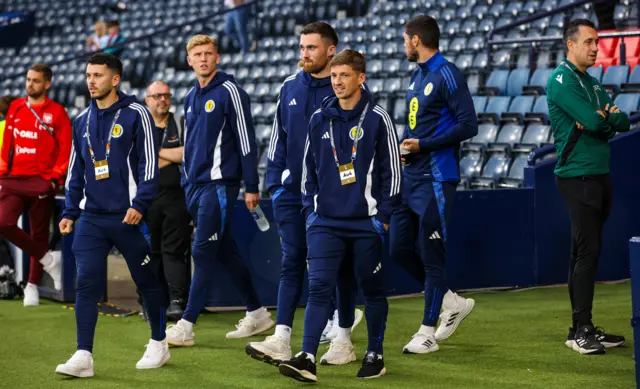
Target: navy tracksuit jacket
x=441 y=115
x=99 y=206
x=219 y=151
x=344 y=222
x=300 y=96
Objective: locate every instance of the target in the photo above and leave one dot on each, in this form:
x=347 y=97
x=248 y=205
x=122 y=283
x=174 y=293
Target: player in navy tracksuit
x=219 y=152
x=441 y=115
x=351 y=185
x=300 y=96
x=112 y=181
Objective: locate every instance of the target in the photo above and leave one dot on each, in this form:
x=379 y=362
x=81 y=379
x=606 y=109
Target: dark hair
x=113 y=23
x=426 y=28
x=5 y=102
x=110 y=60
x=44 y=69
x=324 y=29
x=572 y=28
x=351 y=58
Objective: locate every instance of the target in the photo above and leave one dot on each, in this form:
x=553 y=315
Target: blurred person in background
x=33 y=161
x=100 y=39
x=115 y=39
x=5 y=102
x=236 y=23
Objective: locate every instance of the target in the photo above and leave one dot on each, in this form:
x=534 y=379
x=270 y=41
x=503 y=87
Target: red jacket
x=35 y=151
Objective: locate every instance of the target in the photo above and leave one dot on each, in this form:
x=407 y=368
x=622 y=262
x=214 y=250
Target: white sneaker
x=335 y=326
x=452 y=316
x=421 y=344
x=249 y=326
x=340 y=353
x=179 y=336
x=156 y=355
x=54 y=268
x=272 y=350
x=31 y=295
x=325 y=332
x=79 y=365
x=357 y=318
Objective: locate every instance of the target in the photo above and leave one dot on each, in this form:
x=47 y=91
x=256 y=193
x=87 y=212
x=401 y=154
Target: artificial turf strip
x=511 y=340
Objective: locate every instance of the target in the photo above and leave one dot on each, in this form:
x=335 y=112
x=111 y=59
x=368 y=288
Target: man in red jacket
x=33 y=161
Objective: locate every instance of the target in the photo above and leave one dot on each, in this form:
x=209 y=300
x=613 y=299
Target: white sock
x=425 y=330
x=30 y=285
x=46 y=260
x=258 y=313
x=163 y=341
x=187 y=325
x=449 y=300
x=283 y=332
x=84 y=353
x=312 y=357
x=344 y=335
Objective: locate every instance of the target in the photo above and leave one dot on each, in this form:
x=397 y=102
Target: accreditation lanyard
x=582 y=85
x=49 y=129
x=101 y=167
x=346 y=171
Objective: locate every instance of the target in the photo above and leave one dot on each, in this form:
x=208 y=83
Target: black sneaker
x=175 y=310
x=586 y=342
x=300 y=368
x=372 y=366
x=608 y=340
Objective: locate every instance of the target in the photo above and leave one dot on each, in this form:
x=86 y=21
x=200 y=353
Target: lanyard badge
x=584 y=87
x=101 y=168
x=347 y=171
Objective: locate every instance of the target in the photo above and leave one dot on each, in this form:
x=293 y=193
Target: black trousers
x=588 y=201
x=170 y=230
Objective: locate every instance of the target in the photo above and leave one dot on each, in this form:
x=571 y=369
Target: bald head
x=158 y=99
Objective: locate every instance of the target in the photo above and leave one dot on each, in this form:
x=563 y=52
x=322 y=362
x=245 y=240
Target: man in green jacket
x=583 y=119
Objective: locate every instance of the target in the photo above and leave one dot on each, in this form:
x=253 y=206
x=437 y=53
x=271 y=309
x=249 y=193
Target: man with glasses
x=168 y=219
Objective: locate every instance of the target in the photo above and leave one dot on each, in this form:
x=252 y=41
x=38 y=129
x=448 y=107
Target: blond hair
x=201 y=40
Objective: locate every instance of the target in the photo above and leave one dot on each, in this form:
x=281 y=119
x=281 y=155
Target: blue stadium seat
x=470 y=165
x=510 y=134
x=479 y=102
x=516 y=173
x=517 y=79
x=498 y=80
x=615 y=76
x=536 y=134
x=496 y=168
x=521 y=104
x=627 y=102
x=400 y=111
x=595 y=71
x=487 y=134
x=541 y=105
x=498 y=105
x=540 y=77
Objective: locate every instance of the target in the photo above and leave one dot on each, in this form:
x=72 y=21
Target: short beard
x=104 y=95
x=310 y=68
x=413 y=56
x=36 y=95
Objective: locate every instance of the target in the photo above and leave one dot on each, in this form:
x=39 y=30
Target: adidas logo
x=427 y=343
x=293 y=102
x=146 y=261
x=189 y=110
x=435 y=235
x=452 y=318
x=214 y=237
x=559 y=78
x=378 y=268
x=326 y=135
x=412 y=85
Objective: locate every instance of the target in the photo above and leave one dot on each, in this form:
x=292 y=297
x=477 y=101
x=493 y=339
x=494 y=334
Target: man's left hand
x=252 y=200
x=133 y=217
x=411 y=145
x=611 y=109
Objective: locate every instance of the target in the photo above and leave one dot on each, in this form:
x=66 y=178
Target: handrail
x=547 y=38
x=546 y=150
x=127 y=41
x=529 y=19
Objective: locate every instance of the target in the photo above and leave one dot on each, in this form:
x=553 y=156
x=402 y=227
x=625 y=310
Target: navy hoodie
x=219 y=140
x=376 y=191
x=300 y=96
x=441 y=114
x=133 y=160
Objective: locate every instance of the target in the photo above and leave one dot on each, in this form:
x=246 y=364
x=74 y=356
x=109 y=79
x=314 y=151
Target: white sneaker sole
x=448 y=331
x=357 y=318
x=62 y=370
x=585 y=351
x=165 y=359
x=258 y=353
x=382 y=372
x=339 y=361
x=299 y=375
x=258 y=330
x=432 y=349
x=184 y=343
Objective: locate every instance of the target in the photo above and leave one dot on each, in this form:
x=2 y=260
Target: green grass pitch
x=511 y=340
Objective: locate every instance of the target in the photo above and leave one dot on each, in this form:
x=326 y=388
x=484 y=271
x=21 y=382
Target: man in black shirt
x=169 y=221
